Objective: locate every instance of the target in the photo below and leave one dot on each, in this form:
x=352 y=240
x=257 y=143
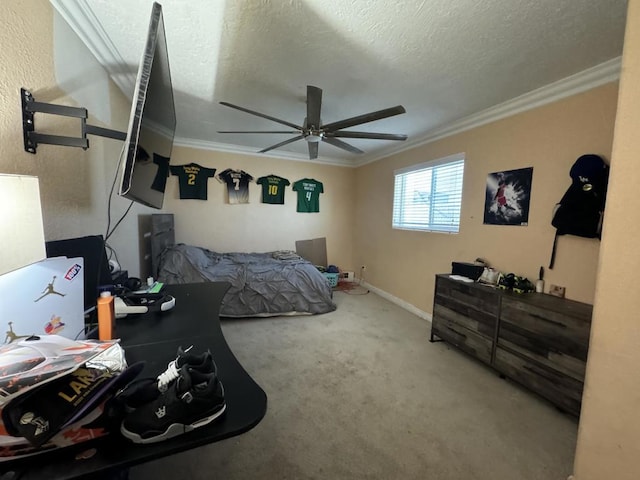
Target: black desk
x=155 y=339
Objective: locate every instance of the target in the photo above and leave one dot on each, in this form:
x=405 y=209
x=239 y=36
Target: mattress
x=262 y=284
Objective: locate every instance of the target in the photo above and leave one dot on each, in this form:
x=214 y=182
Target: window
x=429 y=196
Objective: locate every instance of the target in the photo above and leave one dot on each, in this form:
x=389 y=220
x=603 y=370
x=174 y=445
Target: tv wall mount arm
x=32 y=138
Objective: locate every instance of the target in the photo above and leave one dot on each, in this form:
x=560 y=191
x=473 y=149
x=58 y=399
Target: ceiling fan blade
x=314 y=104
x=258 y=131
x=258 y=114
x=278 y=145
x=366 y=118
x=313 y=150
x=367 y=135
x=340 y=144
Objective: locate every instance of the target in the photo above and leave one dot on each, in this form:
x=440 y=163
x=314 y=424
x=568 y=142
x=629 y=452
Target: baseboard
x=398 y=301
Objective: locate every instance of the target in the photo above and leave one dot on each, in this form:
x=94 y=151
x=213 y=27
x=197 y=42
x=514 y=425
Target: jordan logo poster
x=507 y=197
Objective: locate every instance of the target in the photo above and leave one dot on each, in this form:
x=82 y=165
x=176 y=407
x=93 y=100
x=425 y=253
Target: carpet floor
x=360 y=393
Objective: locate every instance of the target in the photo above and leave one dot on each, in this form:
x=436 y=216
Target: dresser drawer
x=562 y=390
x=472 y=306
x=566 y=329
x=551 y=337
x=463 y=338
x=537 y=340
x=540 y=353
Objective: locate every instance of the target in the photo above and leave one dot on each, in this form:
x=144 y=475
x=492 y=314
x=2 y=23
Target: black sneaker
x=203 y=363
x=145 y=390
x=195 y=399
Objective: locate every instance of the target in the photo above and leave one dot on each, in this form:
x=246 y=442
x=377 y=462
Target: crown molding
x=229 y=148
x=601 y=74
x=85 y=24
x=83 y=21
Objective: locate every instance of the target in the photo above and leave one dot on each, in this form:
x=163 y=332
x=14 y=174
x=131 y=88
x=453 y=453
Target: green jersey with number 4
x=309 y=191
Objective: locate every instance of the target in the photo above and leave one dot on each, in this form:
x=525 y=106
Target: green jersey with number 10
x=273 y=189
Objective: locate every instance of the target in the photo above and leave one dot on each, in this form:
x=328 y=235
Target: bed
x=262 y=284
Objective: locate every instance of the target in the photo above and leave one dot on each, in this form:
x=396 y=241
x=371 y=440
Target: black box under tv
x=469 y=270
x=96 y=264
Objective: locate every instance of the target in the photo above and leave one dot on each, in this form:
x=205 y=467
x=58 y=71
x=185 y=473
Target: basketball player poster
x=507 y=198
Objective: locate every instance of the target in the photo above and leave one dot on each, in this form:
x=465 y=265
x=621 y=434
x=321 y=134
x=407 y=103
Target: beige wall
x=549 y=139
x=217 y=225
x=609 y=433
x=75 y=184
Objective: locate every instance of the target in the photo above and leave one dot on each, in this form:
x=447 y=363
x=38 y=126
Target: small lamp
x=21 y=230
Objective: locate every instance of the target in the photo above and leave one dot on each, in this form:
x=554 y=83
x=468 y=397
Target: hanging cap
x=588 y=168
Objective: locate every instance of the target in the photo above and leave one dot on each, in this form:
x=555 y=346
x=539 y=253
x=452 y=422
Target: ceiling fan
x=314 y=132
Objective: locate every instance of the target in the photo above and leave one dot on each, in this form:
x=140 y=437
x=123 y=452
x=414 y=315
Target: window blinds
x=429 y=197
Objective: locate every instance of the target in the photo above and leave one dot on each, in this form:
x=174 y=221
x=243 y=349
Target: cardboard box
x=314 y=250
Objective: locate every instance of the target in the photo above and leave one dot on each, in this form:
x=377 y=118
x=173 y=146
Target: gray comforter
x=262 y=284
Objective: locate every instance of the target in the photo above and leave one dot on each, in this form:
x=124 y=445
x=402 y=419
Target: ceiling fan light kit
x=313 y=132
x=314 y=137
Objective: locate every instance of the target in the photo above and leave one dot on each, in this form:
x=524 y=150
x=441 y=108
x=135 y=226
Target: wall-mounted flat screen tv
x=152 y=123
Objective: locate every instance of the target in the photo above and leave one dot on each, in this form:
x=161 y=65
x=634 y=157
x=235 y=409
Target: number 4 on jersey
x=309 y=191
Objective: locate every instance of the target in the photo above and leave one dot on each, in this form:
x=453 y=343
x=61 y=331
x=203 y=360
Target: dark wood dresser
x=537 y=340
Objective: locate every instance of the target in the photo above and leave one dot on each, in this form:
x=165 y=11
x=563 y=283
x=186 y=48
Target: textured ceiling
x=442 y=60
